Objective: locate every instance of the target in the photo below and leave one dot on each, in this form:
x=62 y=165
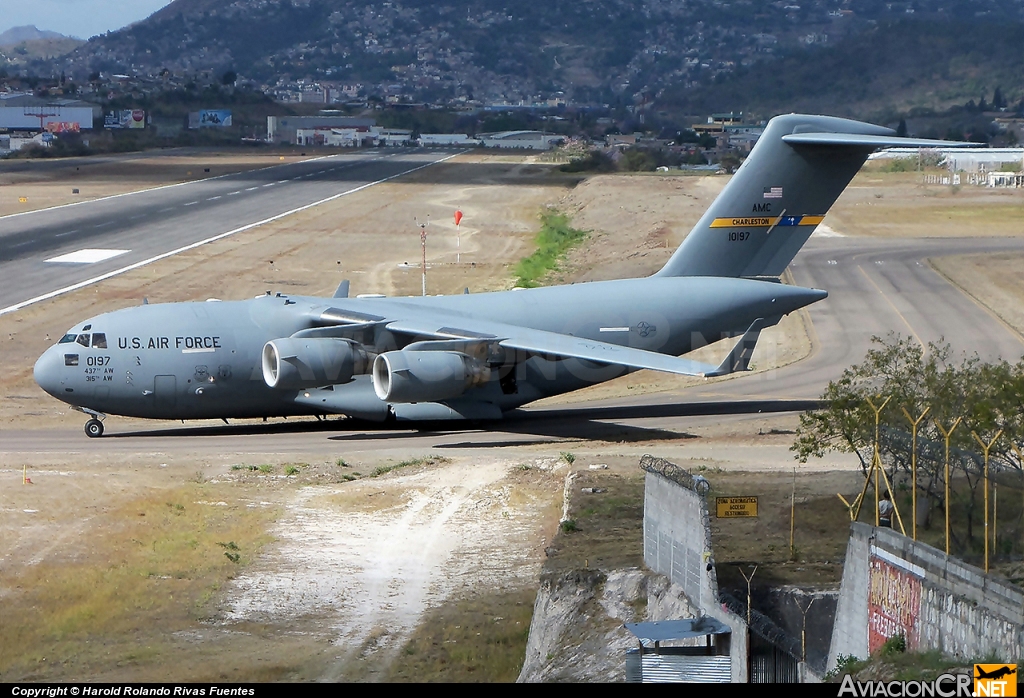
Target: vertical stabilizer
x=794 y=174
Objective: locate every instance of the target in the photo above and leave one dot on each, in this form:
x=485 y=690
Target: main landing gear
x=94 y=427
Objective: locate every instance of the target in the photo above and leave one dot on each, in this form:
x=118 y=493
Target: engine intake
x=296 y=364
x=426 y=376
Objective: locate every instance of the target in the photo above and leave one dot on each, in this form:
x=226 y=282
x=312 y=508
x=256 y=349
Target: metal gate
x=772 y=665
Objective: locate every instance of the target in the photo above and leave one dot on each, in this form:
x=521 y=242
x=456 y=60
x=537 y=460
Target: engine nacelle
x=426 y=376
x=297 y=364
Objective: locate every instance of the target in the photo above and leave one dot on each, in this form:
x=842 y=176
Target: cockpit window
x=99 y=340
x=86 y=328
x=71 y=359
x=67 y=339
x=83 y=339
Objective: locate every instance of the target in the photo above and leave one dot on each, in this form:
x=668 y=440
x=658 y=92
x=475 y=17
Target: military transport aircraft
x=476 y=356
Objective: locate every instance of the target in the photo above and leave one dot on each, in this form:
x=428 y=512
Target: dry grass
x=991 y=280
x=152 y=567
x=480 y=639
x=897 y=205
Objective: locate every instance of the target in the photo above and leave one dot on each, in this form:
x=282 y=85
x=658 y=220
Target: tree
x=988 y=398
x=228 y=78
x=998 y=101
x=901 y=130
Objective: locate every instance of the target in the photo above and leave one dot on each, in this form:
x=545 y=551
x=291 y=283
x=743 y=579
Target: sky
x=79 y=18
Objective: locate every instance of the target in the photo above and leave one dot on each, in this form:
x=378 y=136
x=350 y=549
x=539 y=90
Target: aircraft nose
x=47 y=372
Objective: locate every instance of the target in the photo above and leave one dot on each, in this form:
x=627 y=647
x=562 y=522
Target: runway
x=875 y=287
x=48 y=251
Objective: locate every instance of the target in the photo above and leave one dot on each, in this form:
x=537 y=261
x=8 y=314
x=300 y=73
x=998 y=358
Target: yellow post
x=946 y=434
x=849 y=506
x=913 y=464
x=24 y=474
x=995 y=516
x=985 y=447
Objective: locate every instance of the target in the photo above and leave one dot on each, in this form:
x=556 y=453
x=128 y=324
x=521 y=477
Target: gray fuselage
x=202 y=359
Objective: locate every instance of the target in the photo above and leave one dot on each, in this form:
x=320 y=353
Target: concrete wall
x=892 y=585
x=677 y=543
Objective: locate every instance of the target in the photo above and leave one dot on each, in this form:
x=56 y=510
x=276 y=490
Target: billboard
x=63 y=127
x=214 y=117
x=126 y=118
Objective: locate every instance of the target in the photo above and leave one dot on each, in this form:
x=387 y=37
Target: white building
x=336 y=137
x=527 y=140
x=435 y=139
x=393 y=136
x=962 y=159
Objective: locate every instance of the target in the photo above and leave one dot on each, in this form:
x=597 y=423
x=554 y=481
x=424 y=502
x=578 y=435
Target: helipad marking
x=89 y=255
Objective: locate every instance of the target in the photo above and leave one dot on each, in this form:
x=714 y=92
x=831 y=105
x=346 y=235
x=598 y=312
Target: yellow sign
x=995 y=680
x=23 y=199
x=736 y=507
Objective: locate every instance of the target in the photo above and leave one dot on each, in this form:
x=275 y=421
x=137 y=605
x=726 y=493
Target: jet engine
x=426 y=376
x=297 y=364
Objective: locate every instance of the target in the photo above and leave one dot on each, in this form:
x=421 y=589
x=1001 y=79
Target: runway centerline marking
x=191 y=203
x=213 y=198
x=252 y=188
x=895 y=309
x=88 y=255
x=214 y=238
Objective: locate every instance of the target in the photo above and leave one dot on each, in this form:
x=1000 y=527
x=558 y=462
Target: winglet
x=342 y=291
x=739 y=358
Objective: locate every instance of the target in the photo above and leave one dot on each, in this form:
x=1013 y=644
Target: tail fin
x=795 y=172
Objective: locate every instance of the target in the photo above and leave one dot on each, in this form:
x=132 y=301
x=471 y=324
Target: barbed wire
x=673 y=472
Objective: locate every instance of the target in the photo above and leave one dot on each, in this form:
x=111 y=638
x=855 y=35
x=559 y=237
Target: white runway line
x=168 y=186
x=89 y=255
x=221 y=236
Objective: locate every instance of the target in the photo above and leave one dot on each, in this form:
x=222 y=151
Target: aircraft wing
x=568 y=346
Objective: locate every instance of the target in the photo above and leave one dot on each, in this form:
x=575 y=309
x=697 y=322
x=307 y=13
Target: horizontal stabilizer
x=782 y=191
x=857 y=140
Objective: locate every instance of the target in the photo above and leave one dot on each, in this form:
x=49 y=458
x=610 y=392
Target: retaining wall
x=893 y=585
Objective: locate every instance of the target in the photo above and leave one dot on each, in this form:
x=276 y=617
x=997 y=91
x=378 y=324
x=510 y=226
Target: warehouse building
x=527 y=140
x=284 y=129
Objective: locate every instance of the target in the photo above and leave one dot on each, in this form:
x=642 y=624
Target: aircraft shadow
x=555 y=423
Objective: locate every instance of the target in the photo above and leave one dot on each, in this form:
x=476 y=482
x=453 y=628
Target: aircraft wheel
x=94 y=428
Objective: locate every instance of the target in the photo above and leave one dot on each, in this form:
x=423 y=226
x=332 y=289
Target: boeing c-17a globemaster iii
x=477 y=356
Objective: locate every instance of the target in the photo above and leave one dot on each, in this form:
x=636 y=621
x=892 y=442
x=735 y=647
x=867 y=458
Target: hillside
x=899 y=68
x=691 y=55
x=18 y=35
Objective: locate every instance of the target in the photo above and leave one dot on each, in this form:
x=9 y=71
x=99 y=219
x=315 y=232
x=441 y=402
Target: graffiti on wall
x=894 y=603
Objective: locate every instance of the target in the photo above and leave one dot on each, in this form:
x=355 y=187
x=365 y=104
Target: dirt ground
x=150 y=566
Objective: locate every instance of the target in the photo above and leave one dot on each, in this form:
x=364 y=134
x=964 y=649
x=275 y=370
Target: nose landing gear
x=94 y=427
